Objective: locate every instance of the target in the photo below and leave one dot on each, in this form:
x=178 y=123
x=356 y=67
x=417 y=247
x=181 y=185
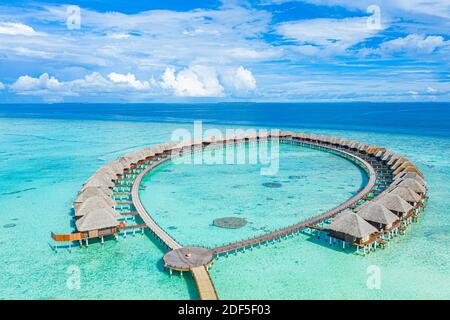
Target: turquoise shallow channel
x=44 y=162
x=184 y=199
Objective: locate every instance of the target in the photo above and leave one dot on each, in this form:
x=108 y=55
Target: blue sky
x=260 y=50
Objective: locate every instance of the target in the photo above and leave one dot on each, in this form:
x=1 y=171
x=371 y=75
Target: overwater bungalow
x=351 y=228
x=93 y=203
x=407 y=194
x=393 y=158
x=379 y=216
x=413 y=184
x=91 y=192
x=99 y=180
x=396 y=204
x=410 y=175
x=99 y=223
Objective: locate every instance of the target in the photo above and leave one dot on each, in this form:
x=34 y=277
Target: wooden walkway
x=265 y=238
x=205 y=285
x=151 y=224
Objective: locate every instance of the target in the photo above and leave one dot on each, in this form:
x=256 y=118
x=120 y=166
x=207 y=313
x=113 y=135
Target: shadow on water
x=324 y=242
x=191 y=285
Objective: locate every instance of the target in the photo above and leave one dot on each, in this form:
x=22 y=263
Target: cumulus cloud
x=44 y=82
x=15 y=29
x=240 y=80
x=2 y=86
x=93 y=82
x=129 y=80
x=194 y=81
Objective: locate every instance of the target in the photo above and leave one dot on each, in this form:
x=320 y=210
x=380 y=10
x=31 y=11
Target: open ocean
x=47 y=151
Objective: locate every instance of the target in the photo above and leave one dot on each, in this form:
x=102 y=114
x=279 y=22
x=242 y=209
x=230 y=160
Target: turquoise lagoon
x=45 y=161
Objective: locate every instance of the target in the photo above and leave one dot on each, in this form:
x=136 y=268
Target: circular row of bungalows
x=95 y=205
x=389 y=212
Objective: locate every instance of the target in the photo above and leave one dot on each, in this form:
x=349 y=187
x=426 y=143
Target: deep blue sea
x=416 y=118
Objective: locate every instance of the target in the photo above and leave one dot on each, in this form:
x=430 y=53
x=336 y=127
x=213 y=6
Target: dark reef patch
x=9 y=225
x=230 y=222
x=272 y=184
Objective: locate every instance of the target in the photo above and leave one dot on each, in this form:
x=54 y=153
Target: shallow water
x=186 y=198
x=44 y=162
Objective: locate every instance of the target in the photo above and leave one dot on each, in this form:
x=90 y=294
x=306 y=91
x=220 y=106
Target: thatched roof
x=353 y=144
x=398 y=163
x=393 y=159
x=410 y=175
x=300 y=135
x=286 y=133
x=379 y=154
x=148 y=152
x=351 y=224
x=91 y=192
x=312 y=136
x=343 y=142
x=376 y=212
x=333 y=140
x=99 y=180
x=124 y=162
x=387 y=155
x=412 y=184
x=406 y=194
x=405 y=166
x=394 y=203
x=362 y=147
x=263 y=134
x=98 y=219
x=93 y=203
x=116 y=166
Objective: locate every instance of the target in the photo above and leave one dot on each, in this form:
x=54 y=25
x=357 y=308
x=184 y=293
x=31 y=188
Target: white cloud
x=331 y=34
x=240 y=80
x=2 y=86
x=431 y=90
x=413 y=44
x=195 y=81
x=16 y=29
x=44 y=82
x=130 y=80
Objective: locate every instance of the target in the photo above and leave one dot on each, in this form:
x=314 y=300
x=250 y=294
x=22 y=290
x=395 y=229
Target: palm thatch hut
x=263 y=135
x=105 y=219
x=410 y=175
x=99 y=180
x=312 y=137
x=89 y=192
x=406 y=194
x=396 y=204
x=333 y=140
x=388 y=155
x=412 y=184
x=393 y=159
x=378 y=215
x=399 y=162
x=351 y=228
x=93 y=203
x=286 y=134
x=353 y=145
x=299 y=136
x=363 y=148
